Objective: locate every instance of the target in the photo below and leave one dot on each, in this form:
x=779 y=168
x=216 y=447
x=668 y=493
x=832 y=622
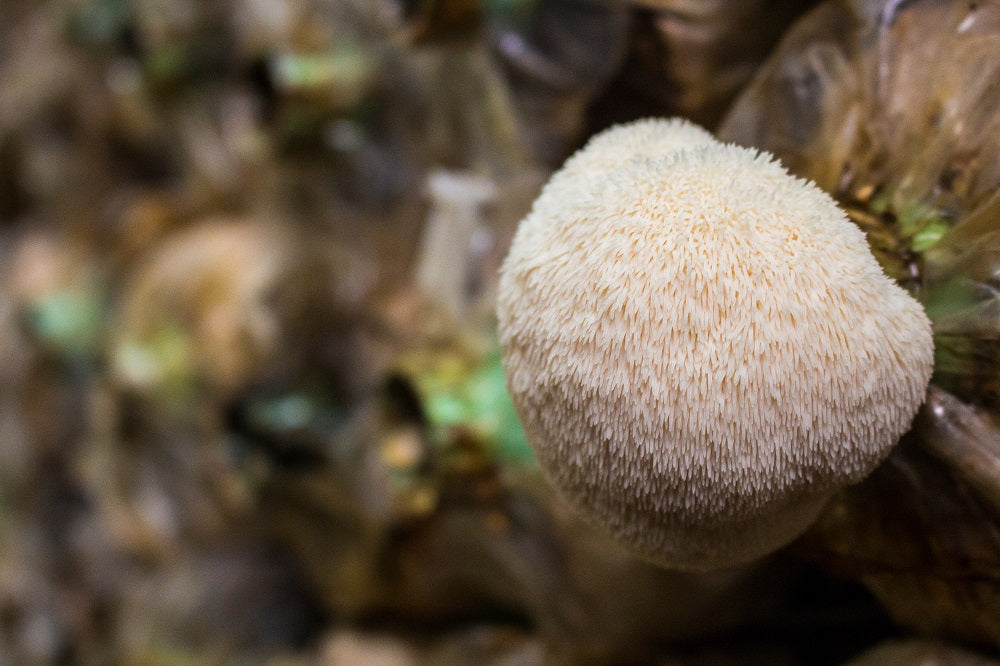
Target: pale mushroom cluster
x=700 y=346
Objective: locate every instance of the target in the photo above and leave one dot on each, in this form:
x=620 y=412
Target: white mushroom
x=702 y=350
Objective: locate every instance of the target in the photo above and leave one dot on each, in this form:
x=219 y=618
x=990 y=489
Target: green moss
x=456 y=392
x=70 y=322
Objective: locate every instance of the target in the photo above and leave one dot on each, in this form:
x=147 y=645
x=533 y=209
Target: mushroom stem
x=442 y=266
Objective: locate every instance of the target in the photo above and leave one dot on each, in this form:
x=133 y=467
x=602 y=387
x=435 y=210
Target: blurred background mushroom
x=251 y=403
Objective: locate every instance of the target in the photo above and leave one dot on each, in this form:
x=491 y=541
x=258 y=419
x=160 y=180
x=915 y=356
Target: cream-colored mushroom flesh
x=651 y=137
x=702 y=349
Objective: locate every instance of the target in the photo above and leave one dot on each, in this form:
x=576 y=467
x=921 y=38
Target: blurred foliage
x=236 y=422
x=455 y=393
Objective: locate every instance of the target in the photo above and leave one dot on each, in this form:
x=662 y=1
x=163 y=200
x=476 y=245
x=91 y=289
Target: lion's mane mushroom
x=702 y=350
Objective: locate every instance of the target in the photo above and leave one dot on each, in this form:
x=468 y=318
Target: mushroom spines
x=702 y=348
x=650 y=137
x=619 y=144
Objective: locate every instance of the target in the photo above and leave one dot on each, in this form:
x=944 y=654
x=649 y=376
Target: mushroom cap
x=702 y=349
x=649 y=137
x=613 y=147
